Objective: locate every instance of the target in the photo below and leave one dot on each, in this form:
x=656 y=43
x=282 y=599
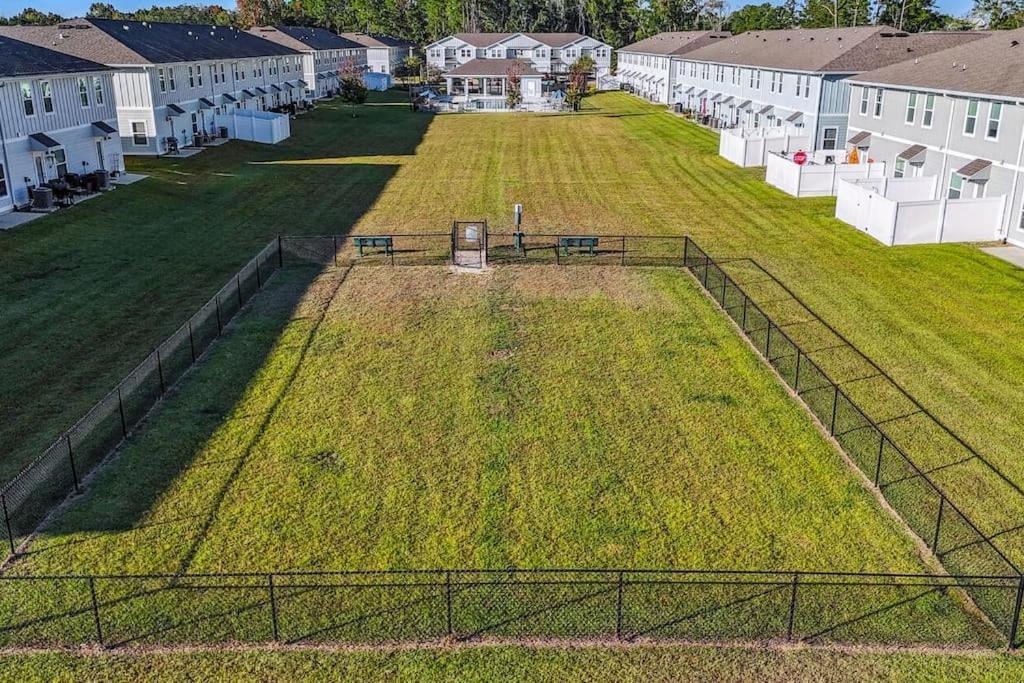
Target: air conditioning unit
x=42 y=199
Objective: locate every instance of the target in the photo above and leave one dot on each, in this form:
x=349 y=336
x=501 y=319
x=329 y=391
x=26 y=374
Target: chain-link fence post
x=160 y=371
x=191 y=341
x=792 y=607
x=7 y=524
x=95 y=611
x=273 y=608
x=878 y=461
x=71 y=462
x=835 y=407
x=938 y=523
x=448 y=602
x=618 y=608
x=120 y=408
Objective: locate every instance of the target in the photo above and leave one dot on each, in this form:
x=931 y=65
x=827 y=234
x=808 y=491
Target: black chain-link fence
x=627 y=604
x=58 y=471
x=391 y=606
x=950 y=533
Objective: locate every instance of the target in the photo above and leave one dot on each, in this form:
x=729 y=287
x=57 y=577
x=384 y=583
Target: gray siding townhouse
x=645 y=67
x=170 y=80
x=957 y=115
x=324 y=54
x=57 y=116
x=384 y=54
x=793 y=77
x=550 y=54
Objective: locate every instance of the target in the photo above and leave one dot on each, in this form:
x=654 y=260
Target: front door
x=40 y=174
x=469 y=244
x=99 y=155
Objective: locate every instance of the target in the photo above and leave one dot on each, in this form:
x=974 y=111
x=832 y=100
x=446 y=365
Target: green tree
x=998 y=14
x=763 y=17
x=32 y=17
x=353 y=89
x=835 y=13
x=910 y=15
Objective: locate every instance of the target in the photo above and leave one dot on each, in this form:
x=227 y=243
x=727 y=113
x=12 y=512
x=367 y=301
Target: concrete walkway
x=1010 y=254
x=16 y=218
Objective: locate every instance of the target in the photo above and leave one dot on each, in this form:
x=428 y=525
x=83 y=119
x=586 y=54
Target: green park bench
x=580 y=244
x=374 y=242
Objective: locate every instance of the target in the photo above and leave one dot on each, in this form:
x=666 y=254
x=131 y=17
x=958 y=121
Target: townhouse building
x=549 y=54
x=792 y=78
x=324 y=54
x=57 y=116
x=384 y=53
x=645 y=67
x=172 y=80
x=956 y=116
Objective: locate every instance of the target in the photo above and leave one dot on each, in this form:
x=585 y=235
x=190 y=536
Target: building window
x=3 y=181
x=900 y=168
x=223 y=76
x=170 y=76
x=199 y=76
x=191 y=77
x=829 y=138
x=26 y=99
x=161 y=79
x=911 y=108
x=956 y=185
x=47 y=88
x=139 y=137
x=995 y=113
x=83 y=92
x=755 y=79
x=971 y=118
x=60 y=159
x=865 y=96
x=97 y=89
x=929 y=111
x=879 y=94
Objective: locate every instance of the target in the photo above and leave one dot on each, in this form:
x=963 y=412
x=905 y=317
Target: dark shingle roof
x=993 y=65
x=492 y=67
x=482 y=39
x=25 y=59
x=116 y=42
x=828 y=50
x=674 y=42
x=859 y=138
x=304 y=38
x=974 y=168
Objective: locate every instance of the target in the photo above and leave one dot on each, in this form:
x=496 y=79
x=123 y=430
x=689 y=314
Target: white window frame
x=879 y=103
x=899 y=168
x=28 y=103
x=83 y=93
x=46 y=89
x=161 y=79
x=998 y=107
x=136 y=133
x=825 y=139
x=911 y=116
x=865 y=100
x=4 y=190
x=929 y=111
x=959 y=190
x=97 y=91
x=970 y=118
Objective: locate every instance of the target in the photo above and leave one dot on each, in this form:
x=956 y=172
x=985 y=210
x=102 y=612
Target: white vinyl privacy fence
x=816 y=178
x=751 y=146
x=255 y=126
x=905 y=211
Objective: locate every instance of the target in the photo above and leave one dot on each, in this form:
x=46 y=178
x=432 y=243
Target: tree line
x=614 y=21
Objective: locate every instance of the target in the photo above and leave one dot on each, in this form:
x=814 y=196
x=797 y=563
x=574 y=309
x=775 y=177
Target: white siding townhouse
x=956 y=117
x=792 y=78
x=172 y=80
x=482 y=84
x=324 y=54
x=57 y=116
x=645 y=67
x=384 y=54
x=549 y=54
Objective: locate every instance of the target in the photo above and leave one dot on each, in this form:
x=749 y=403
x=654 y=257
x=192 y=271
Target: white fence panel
x=972 y=220
x=917 y=222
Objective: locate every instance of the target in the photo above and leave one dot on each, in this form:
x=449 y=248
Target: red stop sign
x=800 y=158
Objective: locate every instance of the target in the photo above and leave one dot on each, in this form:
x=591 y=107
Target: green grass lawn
x=408 y=418
x=489 y=663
